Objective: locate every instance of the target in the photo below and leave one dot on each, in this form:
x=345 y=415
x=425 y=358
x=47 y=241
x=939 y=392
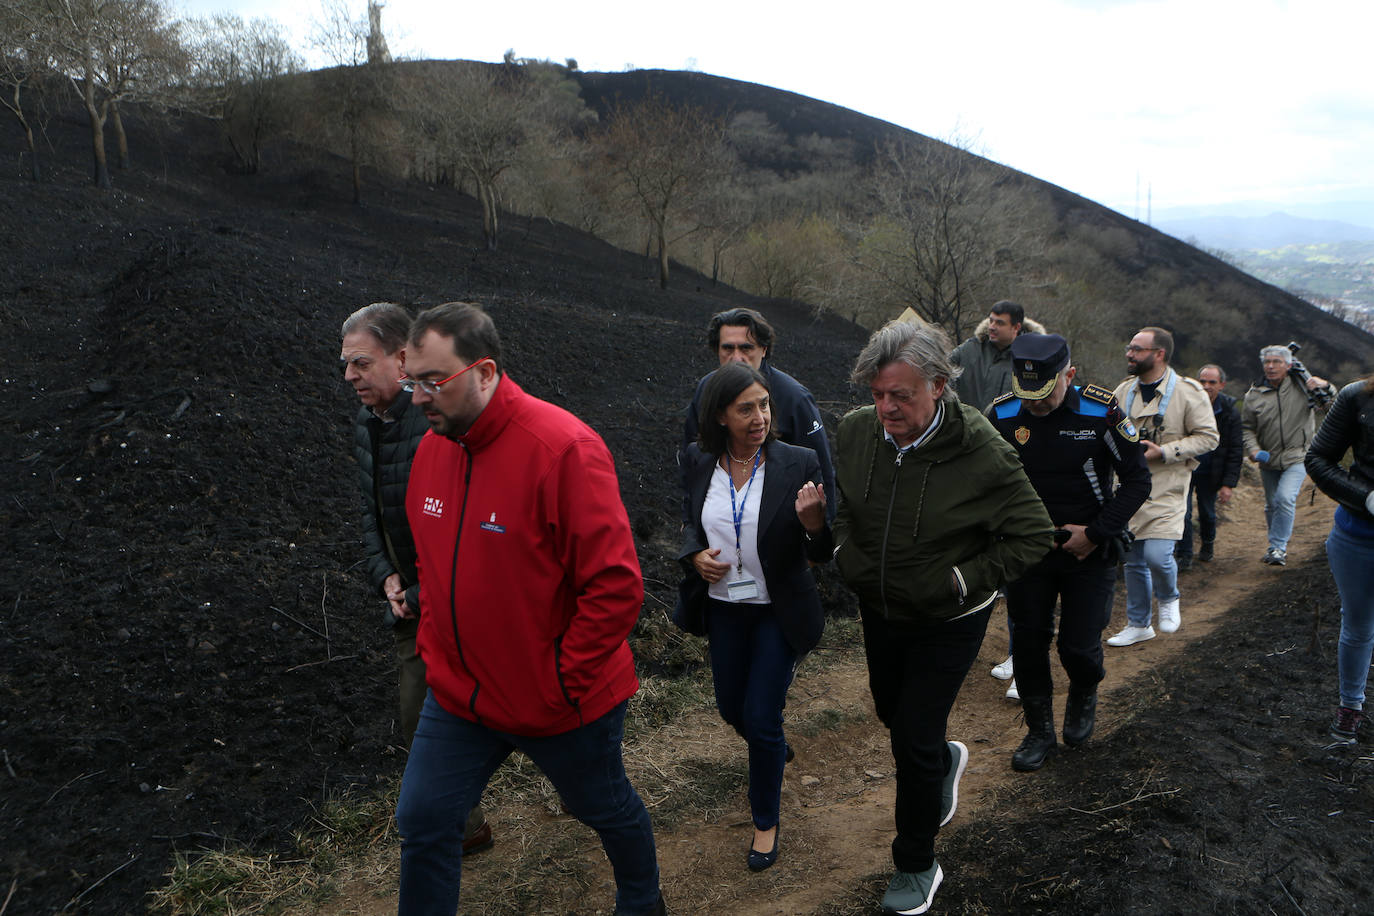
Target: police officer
x=1071 y=441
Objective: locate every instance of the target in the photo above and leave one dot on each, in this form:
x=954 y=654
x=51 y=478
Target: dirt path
x=838 y=794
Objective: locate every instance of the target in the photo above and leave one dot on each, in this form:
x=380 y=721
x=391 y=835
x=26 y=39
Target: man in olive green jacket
x=1277 y=422
x=935 y=514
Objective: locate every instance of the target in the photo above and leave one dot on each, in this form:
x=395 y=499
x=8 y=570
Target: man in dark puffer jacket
x=386 y=433
x=1217 y=471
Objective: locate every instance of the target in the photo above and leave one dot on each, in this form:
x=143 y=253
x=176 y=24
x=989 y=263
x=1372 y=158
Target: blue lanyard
x=737 y=515
x=1164 y=402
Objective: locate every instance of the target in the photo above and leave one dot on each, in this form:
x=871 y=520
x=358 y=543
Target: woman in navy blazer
x=755 y=520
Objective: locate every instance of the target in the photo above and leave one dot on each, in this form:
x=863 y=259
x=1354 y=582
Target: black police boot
x=1080 y=715
x=1205 y=554
x=1039 y=742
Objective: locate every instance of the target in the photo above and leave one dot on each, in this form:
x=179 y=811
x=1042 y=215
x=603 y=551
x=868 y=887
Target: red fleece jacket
x=529 y=578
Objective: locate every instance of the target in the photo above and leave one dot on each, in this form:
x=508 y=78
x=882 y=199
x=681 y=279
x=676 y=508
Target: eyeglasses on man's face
x=432 y=388
x=1133 y=349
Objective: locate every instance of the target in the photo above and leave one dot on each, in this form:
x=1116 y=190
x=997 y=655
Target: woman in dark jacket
x=1350 y=547
x=755 y=516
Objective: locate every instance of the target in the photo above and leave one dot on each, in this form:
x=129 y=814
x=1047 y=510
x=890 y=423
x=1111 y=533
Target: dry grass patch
x=238 y=882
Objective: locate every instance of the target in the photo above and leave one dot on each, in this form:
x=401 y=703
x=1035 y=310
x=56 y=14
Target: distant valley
x=1329 y=262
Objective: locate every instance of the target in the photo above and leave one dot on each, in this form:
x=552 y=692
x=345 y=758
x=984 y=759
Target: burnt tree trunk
x=121 y=139
x=101 y=171
x=487 y=194
x=662 y=232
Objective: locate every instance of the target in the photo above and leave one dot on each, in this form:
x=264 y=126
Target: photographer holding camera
x=1277 y=423
x=1174 y=417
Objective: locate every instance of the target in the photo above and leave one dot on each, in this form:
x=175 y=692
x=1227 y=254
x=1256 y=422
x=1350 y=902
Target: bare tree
x=726 y=211
x=354 y=95
x=113 y=51
x=790 y=258
x=238 y=78
x=26 y=70
x=484 y=120
x=668 y=156
x=934 y=243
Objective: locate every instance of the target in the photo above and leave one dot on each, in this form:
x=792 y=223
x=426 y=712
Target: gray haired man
x=1277 y=423
x=386 y=432
x=935 y=515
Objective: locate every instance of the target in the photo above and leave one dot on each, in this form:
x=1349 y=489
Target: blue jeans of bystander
x=1352 y=566
x=1281 y=501
x=1150 y=573
x=452 y=759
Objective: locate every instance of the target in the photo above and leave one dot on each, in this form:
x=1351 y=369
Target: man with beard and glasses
x=529 y=587
x=1174 y=418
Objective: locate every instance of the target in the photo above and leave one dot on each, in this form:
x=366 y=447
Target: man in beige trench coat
x=1174 y=418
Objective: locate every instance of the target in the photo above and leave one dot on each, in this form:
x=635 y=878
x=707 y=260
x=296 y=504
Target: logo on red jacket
x=490 y=525
x=434 y=506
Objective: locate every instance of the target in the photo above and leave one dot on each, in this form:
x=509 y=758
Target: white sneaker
x=1012 y=692
x=1169 y=619
x=1129 y=636
x=1003 y=672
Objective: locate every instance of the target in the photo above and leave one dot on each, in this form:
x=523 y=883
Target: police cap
x=1037 y=359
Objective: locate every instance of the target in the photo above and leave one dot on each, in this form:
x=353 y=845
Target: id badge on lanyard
x=742 y=589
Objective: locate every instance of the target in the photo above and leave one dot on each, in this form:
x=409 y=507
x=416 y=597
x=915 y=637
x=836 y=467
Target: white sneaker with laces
x=1012 y=692
x=1004 y=671
x=1169 y=620
x=1129 y=636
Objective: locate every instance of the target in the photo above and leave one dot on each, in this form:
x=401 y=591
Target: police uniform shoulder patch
x=1127 y=429
x=1098 y=393
x=1005 y=405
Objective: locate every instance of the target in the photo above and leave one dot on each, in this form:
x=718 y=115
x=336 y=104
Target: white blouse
x=720 y=532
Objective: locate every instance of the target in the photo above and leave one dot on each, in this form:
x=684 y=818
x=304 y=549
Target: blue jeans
x=1206 y=515
x=1150 y=572
x=1281 y=501
x=752 y=666
x=1352 y=566
x=450 y=763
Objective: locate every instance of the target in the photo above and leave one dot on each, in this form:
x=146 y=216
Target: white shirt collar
x=930 y=430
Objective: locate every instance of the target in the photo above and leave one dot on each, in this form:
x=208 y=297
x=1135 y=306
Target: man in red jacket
x=529 y=586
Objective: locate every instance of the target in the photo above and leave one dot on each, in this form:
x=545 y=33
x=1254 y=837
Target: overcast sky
x=1198 y=101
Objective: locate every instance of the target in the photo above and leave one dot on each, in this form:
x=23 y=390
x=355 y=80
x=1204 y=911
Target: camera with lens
x=1319 y=398
x=1151 y=428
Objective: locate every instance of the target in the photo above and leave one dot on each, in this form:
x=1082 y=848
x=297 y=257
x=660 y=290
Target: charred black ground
x=1222 y=794
x=189 y=655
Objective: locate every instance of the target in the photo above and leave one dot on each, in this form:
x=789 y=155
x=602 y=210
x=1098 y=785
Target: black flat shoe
x=758 y=861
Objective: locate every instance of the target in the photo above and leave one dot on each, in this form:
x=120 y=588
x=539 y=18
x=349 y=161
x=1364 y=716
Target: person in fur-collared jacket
x=986 y=358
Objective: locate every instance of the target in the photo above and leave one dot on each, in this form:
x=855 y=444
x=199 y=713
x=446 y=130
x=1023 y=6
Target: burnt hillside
x=1134 y=274
x=190 y=657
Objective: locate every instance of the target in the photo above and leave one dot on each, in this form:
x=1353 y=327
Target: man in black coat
x=1217 y=473
x=743 y=335
x=386 y=433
